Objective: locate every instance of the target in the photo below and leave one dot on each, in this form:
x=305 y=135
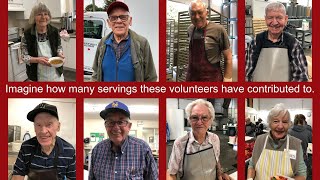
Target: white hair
x=274 y=7
x=200 y=102
x=276 y=110
x=198 y=2
x=40 y=7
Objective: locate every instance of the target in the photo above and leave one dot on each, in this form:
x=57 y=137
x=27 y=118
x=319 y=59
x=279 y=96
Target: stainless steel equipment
x=67 y=21
x=16 y=68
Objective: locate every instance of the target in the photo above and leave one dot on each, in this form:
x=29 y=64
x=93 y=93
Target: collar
x=58 y=144
x=280 y=38
x=123 y=146
x=277 y=142
x=34 y=31
x=192 y=139
x=109 y=40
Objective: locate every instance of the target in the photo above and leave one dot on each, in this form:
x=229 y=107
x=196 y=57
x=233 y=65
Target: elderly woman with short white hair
x=277 y=153
x=196 y=155
x=40 y=42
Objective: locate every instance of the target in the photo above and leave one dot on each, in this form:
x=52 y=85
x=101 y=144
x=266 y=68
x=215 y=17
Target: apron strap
x=184 y=155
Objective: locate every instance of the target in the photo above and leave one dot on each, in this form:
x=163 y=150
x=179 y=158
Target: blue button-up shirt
x=133 y=161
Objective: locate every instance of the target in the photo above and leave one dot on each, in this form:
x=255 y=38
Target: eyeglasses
x=110 y=123
x=202 y=118
x=123 y=18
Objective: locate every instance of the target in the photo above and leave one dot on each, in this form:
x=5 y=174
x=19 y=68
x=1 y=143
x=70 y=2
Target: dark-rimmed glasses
x=123 y=18
x=121 y=123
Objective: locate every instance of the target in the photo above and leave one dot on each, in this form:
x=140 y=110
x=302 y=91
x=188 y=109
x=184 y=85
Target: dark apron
x=200 y=165
x=201 y=68
x=45 y=174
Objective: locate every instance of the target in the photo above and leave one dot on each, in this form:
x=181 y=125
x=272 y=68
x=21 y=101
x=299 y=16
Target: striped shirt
x=298 y=61
x=134 y=161
x=66 y=166
x=176 y=157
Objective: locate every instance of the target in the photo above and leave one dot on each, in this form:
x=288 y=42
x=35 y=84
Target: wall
x=258 y=7
x=97 y=126
x=295 y=106
x=145 y=21
x=19 y=108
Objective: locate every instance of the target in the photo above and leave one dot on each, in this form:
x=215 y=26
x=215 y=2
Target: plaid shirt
x=121 y=47
x=134 y=161
x=298 y=61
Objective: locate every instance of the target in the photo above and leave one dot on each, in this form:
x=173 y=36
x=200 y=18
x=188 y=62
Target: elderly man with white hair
x=196 y=155
x=276 y=55
x=277 y=153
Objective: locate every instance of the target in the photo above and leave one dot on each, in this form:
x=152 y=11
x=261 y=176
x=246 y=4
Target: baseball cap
x=43 y=107
x=115 y=106
x=117 y=4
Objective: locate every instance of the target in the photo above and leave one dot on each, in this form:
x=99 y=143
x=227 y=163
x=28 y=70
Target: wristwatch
x=250 y=179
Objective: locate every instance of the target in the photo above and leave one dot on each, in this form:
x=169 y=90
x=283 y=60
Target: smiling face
x=46 y=127
x=276 y=21
x=279 y=125
x=200 y=119
x=117 y=133
x=119 y=27
x=198 y=14
x=42 y=19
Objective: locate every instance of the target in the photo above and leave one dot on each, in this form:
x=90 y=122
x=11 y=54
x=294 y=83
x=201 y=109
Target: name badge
x=293 y=154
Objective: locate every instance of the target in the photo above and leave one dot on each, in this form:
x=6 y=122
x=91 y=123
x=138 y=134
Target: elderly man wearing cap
x=121 y=156
x=123 y=55
x=45 y=156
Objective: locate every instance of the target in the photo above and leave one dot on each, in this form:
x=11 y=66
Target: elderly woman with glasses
x=277 y=153
x=121 y=156
x=40 y=42
x=123 y=55
x=196 y=155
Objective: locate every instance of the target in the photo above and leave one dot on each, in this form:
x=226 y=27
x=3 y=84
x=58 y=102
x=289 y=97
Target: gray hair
x=276 y=110
x=275 y=6
x=40 y=7
x=200 y=102
x=199 y=2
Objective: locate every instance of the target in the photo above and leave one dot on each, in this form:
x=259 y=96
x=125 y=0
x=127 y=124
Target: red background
x=162 y=97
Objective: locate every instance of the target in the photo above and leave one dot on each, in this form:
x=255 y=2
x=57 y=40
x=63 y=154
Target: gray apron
x=272 y=66
x=45 y=174
x=200 y=165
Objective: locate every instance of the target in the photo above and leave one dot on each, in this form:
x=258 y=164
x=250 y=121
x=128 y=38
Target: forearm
x=228 y=69
x=251 y=173
x=300 y=178
x=17 y=177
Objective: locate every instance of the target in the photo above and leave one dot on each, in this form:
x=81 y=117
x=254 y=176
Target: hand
x=224 y=176
x=227 y=79
x=61 y=55
x=43 y=60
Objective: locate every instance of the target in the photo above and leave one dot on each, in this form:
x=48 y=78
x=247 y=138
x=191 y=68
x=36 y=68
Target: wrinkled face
x=46 y=127
x=42 y=19
x=119 y=21
x=276 y=20
x=198 y=15
x=200 y=119
x=117 y=127
x=279 y=125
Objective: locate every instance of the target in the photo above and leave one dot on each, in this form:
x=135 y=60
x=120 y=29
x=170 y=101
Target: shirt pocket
x=134 y=173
